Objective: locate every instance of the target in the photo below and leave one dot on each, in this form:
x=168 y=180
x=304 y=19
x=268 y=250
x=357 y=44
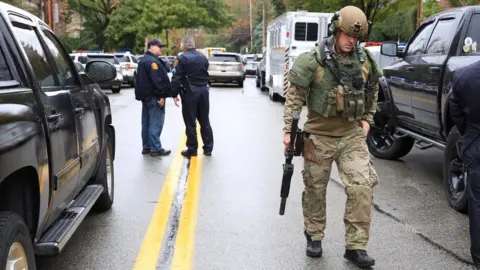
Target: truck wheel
x=382 y=144
x=455 y=173
x=116 y=90
x=105 y=177
x=16 y=248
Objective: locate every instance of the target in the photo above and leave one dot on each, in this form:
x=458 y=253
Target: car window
x=65 y=74
x=223 y=58
x=440 y=40
x=134 y=60
x=471 y=42
x=106 y=58
x=122 y=58
x=418 y=44
x=5 y=74
x=82 y=59
x=36 y=56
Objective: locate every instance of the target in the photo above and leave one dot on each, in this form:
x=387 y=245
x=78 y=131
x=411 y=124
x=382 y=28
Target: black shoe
x=359 y=257
x=145 y=151
x=314 y=247
x=160 y=153
x=187 y=153
x=206 y=153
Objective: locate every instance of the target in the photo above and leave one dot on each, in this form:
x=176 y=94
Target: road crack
x=411 y=229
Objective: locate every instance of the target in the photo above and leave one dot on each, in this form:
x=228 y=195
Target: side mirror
x=100 y=71
x=389 y=49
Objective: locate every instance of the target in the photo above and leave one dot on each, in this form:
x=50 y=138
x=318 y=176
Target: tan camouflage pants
x=357 y=174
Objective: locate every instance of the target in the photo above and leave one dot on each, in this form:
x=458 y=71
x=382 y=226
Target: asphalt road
x=221 y=212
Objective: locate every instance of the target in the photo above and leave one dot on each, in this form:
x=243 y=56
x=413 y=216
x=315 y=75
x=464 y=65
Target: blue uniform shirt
x=152 y=79
x=192 y=64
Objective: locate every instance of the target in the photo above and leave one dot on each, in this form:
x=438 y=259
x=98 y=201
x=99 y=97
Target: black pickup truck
x=414 y=101
x=57 y=141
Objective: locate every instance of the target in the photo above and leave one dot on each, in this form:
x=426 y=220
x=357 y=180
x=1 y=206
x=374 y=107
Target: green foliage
x=430 y=7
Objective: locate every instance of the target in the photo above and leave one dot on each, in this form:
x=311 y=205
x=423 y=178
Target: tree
x=97 y=14
x=136 y=19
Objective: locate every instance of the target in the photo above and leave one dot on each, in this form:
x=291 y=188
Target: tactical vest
x=342 y=88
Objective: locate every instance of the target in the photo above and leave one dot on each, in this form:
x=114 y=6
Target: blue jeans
x=153 y=117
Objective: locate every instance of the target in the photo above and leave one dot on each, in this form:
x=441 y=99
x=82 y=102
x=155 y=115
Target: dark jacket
x=192 y=64
x=465 y=102
x=152 y=79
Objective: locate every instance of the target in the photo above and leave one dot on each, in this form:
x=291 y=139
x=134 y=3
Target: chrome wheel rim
x=109 y=173
x=17 y=258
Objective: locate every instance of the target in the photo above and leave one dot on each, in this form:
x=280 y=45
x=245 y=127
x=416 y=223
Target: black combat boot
x=359 y=257
x=314 y=248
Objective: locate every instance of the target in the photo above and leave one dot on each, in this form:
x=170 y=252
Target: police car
x=129 y=65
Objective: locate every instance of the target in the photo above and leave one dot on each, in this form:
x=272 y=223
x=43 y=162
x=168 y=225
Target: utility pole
x=264 y=25
x=419 y=12
x=251 y=28
x=48 y=10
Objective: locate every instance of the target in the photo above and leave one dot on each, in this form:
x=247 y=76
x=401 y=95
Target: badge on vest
x=154 y=66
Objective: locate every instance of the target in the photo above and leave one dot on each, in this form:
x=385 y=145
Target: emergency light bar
x=86 y=51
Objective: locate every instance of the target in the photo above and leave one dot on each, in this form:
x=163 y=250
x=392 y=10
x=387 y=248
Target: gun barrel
x=283 y=203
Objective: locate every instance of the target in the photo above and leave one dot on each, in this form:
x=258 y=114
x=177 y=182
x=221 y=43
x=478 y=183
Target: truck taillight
x=240 y=67
x=286 y=67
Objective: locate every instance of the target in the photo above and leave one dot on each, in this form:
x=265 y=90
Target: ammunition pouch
x=355 y=107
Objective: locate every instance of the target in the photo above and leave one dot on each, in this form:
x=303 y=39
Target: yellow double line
x=152 y=243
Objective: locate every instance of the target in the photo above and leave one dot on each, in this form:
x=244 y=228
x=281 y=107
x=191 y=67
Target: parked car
x=57 y=141
x=129 y=65
x=116 y=83
x=226 y=68
x=415 y=92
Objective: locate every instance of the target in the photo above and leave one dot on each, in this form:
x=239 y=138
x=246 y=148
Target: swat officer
x=339 y=81
x=465 y=113
x=191 y=81
x=152 y=88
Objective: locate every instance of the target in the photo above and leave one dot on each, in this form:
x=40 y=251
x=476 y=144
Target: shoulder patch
x=175 y=63
x=292 y=74
x=154 y=65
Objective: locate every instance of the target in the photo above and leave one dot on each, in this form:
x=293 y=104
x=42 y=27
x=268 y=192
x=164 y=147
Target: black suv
x=57 y=141
x=415 y=91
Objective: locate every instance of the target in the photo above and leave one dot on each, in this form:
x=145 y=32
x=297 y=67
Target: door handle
x=409 y=69
x=53 y=118
x=434 y=69
x=80 y=110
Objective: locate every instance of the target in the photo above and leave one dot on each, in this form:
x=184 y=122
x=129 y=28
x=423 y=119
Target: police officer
x=152 y=88
x=191 y=80
x=339 y=80
x=465 y=113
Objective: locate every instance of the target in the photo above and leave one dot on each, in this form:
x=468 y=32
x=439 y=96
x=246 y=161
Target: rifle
x=295 y=148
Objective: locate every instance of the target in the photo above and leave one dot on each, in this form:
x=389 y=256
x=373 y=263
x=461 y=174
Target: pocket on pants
x=373 y=176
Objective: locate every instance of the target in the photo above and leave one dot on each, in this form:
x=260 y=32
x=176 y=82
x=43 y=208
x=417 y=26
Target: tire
x=13 y=231
x=116 y=90
x=240 y=84
x=453 y=168
x=105 y=201
x=394 y=148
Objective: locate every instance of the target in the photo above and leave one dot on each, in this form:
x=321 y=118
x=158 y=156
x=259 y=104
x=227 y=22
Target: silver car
x=226 y=68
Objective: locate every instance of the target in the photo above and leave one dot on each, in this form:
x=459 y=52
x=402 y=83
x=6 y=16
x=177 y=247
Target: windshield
x=223 y=58
x=122 y=58
x=109 y=59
